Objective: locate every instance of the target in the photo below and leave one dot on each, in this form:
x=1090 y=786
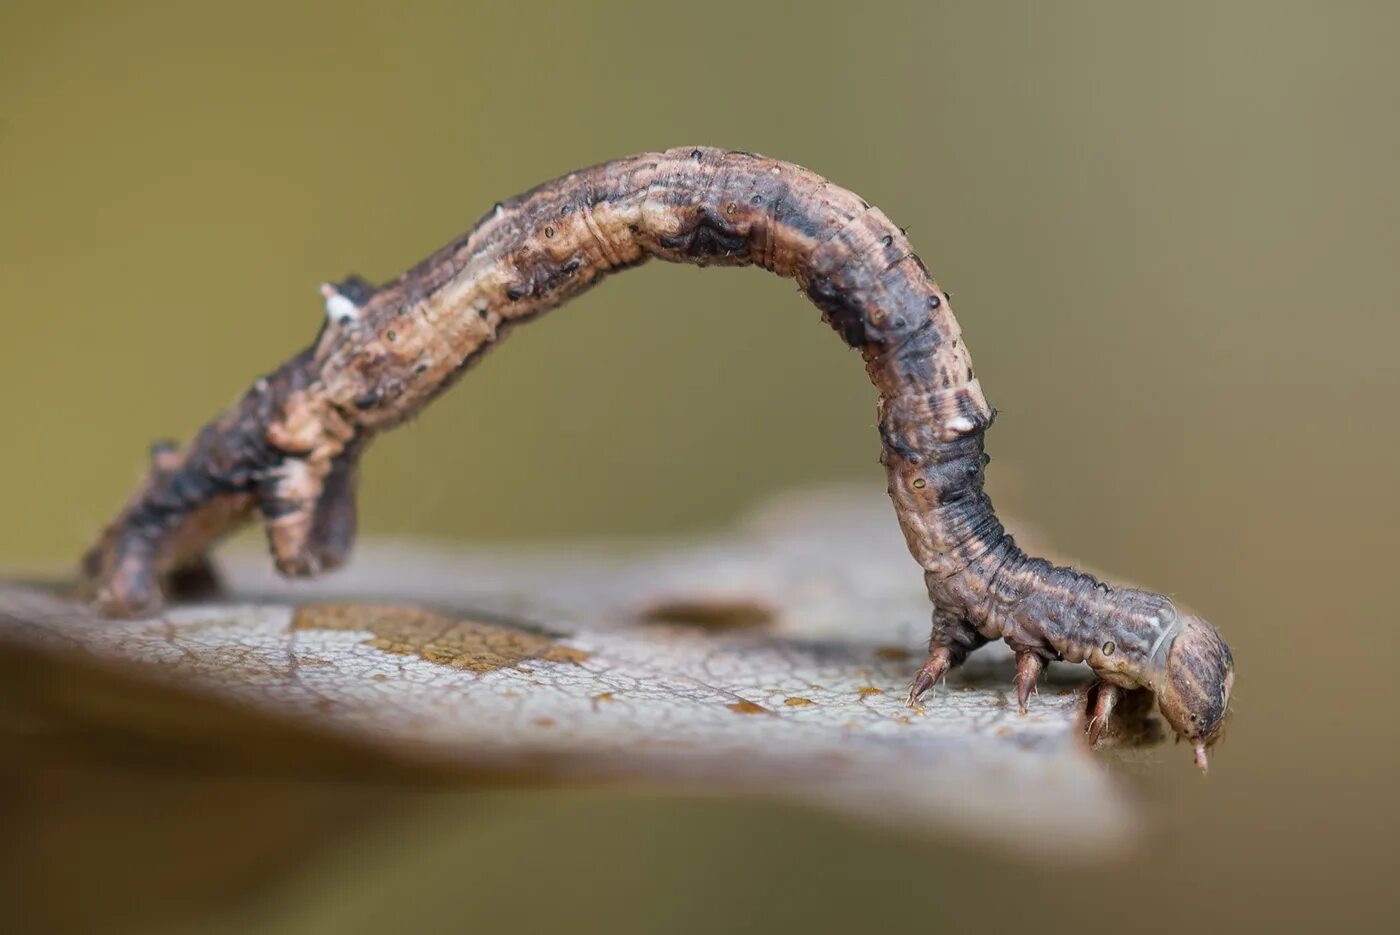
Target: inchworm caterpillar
x=288 y=449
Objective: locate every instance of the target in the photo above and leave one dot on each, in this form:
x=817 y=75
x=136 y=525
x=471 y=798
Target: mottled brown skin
x=288 y=450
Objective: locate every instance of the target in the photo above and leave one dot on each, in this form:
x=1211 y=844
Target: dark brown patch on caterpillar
x=706 y=237
x=289 y=449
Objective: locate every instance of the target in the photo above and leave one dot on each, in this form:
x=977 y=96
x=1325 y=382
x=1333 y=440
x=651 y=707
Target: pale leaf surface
x=772 y=661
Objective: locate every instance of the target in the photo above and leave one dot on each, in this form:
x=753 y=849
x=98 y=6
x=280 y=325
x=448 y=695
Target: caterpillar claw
x=933 y=669
x=1105 y=697
x=1201 y=763
x=1029 y=665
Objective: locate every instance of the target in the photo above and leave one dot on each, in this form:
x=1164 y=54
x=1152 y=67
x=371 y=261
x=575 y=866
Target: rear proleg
x=194 y=577
x=309 y=513
x=159 y=542
x=334 y=524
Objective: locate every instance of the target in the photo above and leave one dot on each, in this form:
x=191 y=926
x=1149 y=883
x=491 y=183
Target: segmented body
x=289 y=448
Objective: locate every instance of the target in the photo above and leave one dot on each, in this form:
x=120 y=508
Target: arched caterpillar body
x=288 y=449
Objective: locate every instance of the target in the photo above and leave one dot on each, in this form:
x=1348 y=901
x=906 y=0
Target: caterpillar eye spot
x=566 y=210
x=391 y=336
x=934 y=301
x=887 y=240
x=696 y=155
x=730 y=208
x=919 y=483
x=1109 y=648
x=756 y=200
x=548 y=233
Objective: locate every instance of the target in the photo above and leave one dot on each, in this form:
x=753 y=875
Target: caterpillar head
x=1194 y=695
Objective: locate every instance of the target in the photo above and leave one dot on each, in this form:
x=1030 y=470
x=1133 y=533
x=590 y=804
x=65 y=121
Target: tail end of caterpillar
x=1194 y=695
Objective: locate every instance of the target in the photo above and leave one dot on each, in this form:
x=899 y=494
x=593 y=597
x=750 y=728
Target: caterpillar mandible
x=288 y=450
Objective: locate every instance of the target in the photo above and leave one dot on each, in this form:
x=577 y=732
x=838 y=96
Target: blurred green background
x=1171 y=230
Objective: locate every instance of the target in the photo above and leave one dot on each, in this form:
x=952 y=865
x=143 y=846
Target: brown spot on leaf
x=711 y=613
x=744 y=706
x=795 y=702
x=869 y=690
x=474 y=645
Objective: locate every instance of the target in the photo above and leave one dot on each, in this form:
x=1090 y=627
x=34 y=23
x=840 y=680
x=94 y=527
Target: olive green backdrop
x=1171 y=230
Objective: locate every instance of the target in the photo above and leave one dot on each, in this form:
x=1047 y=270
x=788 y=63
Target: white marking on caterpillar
x=1162 y=639
x=339 y=309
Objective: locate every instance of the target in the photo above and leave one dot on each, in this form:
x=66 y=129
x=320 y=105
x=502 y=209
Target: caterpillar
x=288 y=449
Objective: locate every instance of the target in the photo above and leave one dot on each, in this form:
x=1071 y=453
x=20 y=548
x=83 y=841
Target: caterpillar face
x=1195 y=694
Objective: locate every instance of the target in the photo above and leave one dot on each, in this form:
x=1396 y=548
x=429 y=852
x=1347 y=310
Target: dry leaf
x=774 y=661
